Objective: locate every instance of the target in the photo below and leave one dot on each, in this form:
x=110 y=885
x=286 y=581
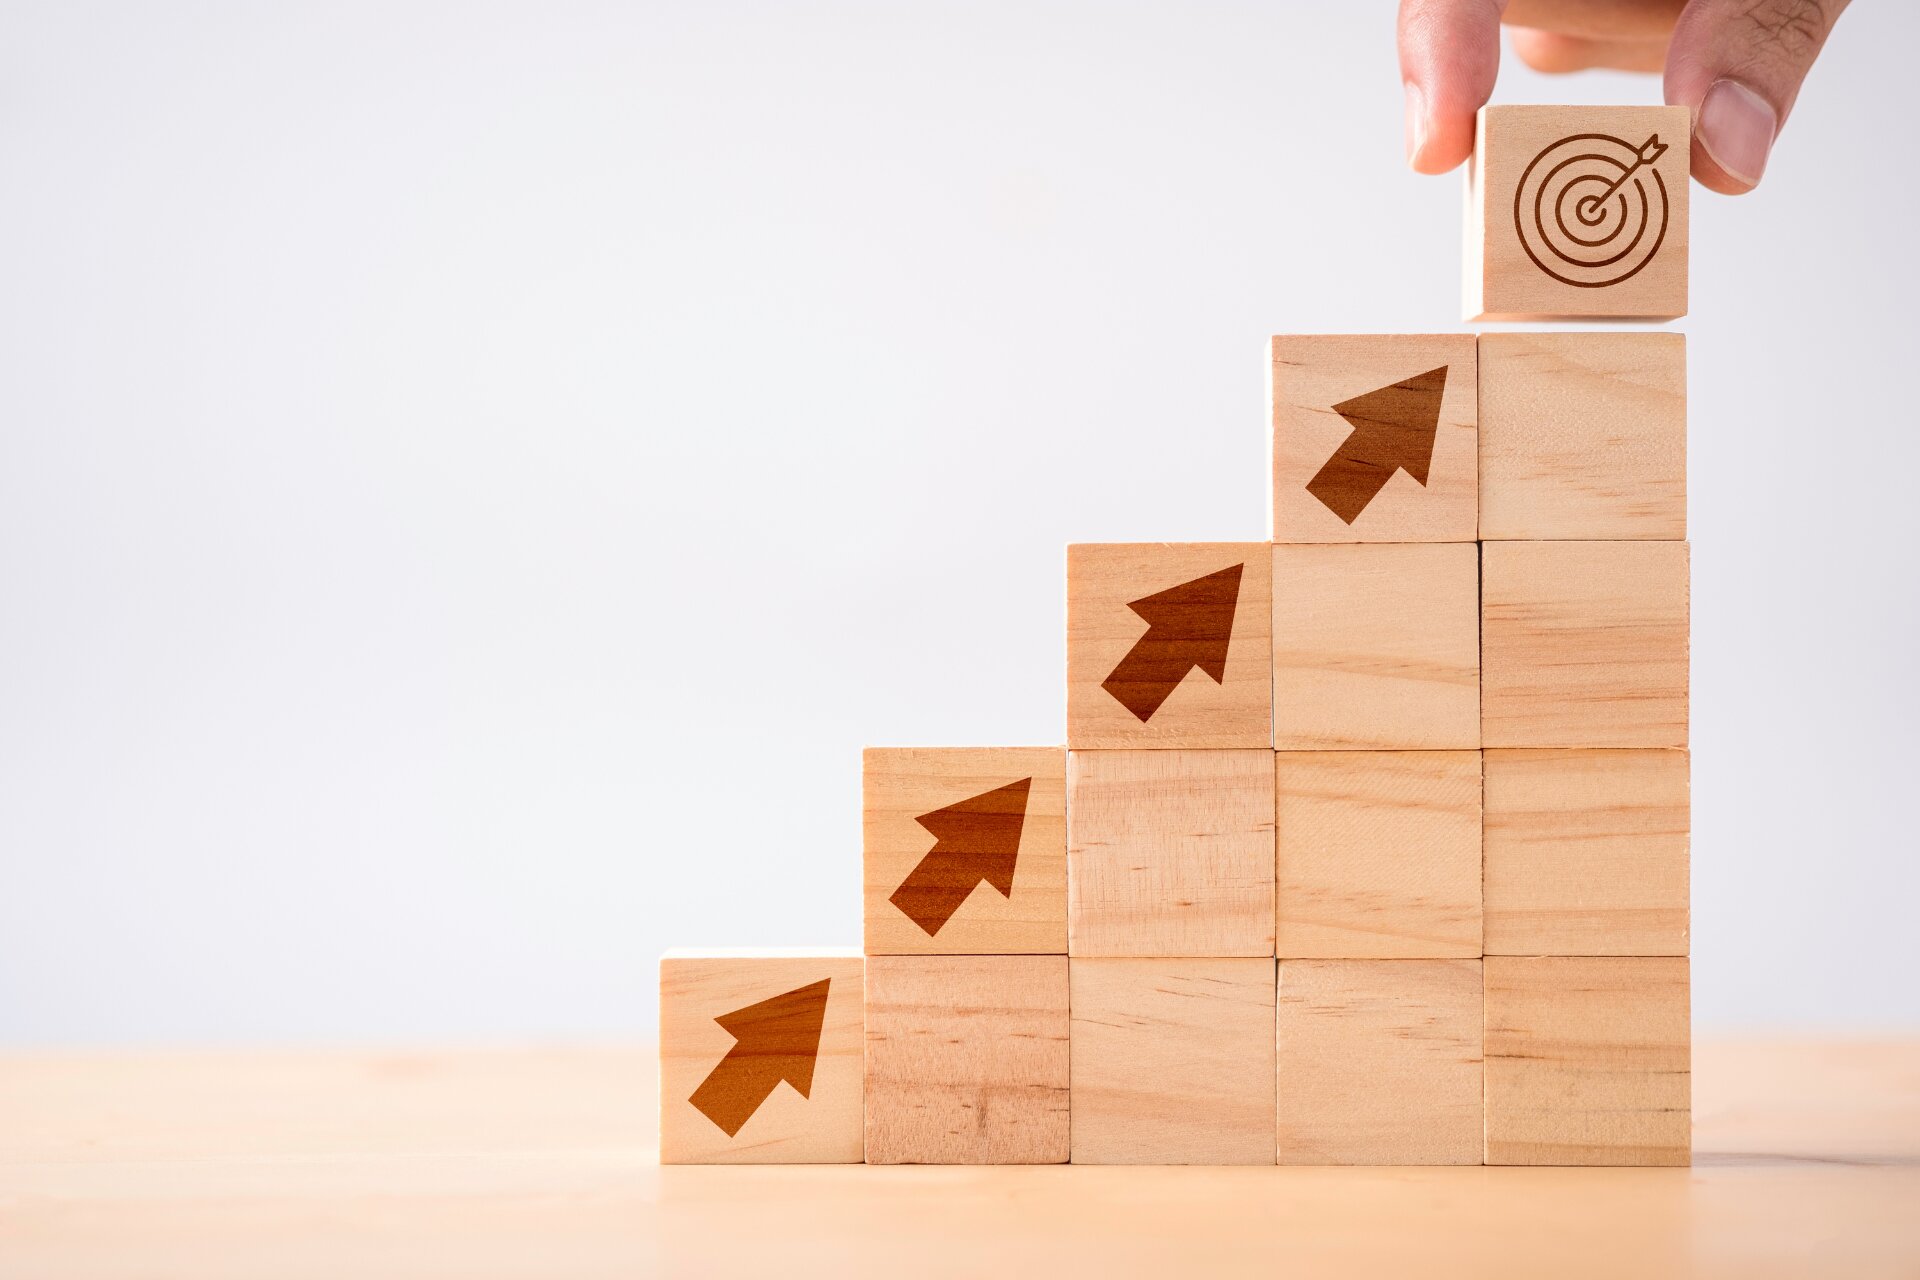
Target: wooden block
x=1166 y=645
x=1374 y=438
x=1586 y=853
x=1170 y=853
x=1376 y=647
x=1578 y=212
x=966 y=1059
x=1584 y=644
x=1377 y=853
x=1583 y=435
x=1379 y=1062
x=1173 y=1061
x=966 y=850
x=1589 y=1060
x=761 y=1057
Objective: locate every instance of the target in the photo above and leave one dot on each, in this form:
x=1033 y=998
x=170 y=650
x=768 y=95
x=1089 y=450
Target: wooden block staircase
x=1368 y=844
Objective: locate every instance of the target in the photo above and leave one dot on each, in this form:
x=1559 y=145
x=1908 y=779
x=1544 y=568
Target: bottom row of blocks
x=817 y=1057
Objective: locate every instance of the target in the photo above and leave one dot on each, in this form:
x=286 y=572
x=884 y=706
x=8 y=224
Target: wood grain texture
x=1377 y=854
x=1379 y=1062
x=1376 y=647
x=1170 y=853
x=1311 y=375
x=824 y=1126
x=426 y=1163
x=1583 y=436
x=1103 y=631
x=1584 y=644
x=1173 y=1061
x=967 y=1059
x=900 y=785
x=1586 y=853
x=1588 y=1060
x=1505 y=281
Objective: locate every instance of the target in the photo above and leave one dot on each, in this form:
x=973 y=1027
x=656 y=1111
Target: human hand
x=1737 y=64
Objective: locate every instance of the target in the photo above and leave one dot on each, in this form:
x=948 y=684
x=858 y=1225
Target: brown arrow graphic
x=775 y=1040
x=977 y=839
x=1393 y=430
x=1188 y=626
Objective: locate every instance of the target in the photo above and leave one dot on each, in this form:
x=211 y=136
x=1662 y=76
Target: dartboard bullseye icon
x=1592 y=209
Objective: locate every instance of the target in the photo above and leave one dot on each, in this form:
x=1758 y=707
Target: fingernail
x=1416 y=121
x=1737 y=127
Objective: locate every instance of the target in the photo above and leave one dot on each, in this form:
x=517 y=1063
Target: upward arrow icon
x=775 y=1040
x=976 y=840
x=1393 y=430
x=1188 y=626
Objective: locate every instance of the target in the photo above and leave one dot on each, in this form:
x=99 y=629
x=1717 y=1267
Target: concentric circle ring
x=1588 y=213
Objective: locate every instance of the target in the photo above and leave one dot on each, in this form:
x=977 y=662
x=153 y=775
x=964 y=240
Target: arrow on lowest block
x=1394 y=429
x=1188 y=626
x=975 y=840
x=775 y=1040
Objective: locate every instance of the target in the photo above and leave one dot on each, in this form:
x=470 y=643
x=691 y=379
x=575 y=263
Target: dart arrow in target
x=974 y=841
x=775 y=1040
x=1394 y=429
x=1650 y=150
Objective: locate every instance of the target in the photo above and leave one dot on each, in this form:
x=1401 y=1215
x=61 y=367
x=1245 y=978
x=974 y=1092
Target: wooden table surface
x=540 y=1163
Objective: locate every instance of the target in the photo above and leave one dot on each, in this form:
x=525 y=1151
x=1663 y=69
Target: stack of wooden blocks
x=1368 y=844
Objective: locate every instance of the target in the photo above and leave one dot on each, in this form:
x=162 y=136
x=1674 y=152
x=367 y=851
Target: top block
x=1578 y=212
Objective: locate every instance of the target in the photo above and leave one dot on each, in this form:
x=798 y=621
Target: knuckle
x=1789 y=30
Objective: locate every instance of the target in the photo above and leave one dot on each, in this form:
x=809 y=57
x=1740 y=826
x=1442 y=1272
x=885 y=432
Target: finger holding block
x=1173 y=1061
x=1578 y=212
x=1589 y=1060
x=1584 y=644
x=967 y=1060
x=965 y=850
x=1379 y=1062
x=1166 y=645
x=761 y=1057
x=1374 y=438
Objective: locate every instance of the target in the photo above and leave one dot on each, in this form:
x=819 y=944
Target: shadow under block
x=1167 y=644
x=1377 y=854
x=966 y=1060
x=1583 y=435
x=1584 y=644
x=1376 y=647
x=1170 y=853
x=1379 y=1062
x=965 y=850
x=1586 y=853
x=1589 y=1060
x=1173 y=1061
x=1374 y=438
x=1578 y=212
x=761 y=1057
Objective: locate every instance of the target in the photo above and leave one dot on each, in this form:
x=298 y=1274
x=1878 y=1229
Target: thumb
x=1738 y=64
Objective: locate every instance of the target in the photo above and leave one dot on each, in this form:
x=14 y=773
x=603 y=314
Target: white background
x=473 y=476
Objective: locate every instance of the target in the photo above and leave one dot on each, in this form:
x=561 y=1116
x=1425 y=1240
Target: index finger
x=1449 y=56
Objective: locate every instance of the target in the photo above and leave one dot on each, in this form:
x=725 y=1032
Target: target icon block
x=1578 y=212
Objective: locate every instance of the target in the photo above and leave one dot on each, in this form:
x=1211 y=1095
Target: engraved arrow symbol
x=976 y=840
x=1188 y=626
x=775 y=1040
x=1393 y=430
